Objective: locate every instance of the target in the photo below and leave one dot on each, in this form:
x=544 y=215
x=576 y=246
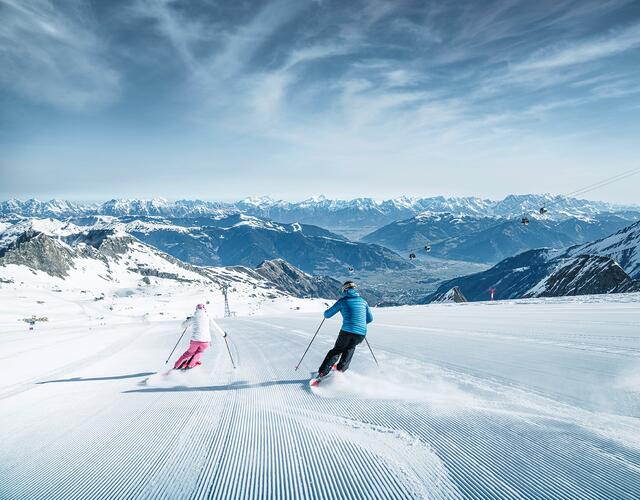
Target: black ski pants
x=344 y=349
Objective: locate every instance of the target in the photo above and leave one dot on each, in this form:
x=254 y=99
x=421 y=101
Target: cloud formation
x=343 y=86
x=50 y=53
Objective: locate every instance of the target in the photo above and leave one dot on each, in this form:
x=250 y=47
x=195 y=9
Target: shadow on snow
x=96 y=379
x=234 y=386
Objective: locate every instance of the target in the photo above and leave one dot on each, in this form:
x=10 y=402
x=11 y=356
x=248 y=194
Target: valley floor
x=525 y=399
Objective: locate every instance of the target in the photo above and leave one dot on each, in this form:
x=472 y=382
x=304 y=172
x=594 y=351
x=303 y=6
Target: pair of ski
x=315 y=382
x=182 y=368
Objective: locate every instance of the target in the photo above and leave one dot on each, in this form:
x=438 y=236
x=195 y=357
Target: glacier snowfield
x=521 y=399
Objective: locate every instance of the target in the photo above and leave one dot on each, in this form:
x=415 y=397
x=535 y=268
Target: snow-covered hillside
x=103 y=262
x=10 y=232
x=491 y=239
x=608 y=265
x=227 y=240
x=253 y=230
x=524 y=399
x=453 y=296
x=623 y=247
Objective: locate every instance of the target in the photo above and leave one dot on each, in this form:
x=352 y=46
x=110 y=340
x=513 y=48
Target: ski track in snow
x=470 y=403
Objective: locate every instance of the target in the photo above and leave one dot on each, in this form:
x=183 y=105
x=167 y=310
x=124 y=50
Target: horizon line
x=320 y=197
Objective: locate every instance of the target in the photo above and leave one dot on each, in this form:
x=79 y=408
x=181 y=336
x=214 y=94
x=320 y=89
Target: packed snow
x=536 y=398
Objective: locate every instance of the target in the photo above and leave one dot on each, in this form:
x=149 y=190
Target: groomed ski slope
x=529 y=399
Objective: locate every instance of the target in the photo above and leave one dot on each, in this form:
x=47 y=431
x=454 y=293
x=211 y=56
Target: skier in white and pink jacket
x=201 y=325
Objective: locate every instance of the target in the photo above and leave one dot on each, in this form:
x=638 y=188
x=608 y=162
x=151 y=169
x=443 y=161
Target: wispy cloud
x=53 y=55
x=340 y=83
x=583 y=52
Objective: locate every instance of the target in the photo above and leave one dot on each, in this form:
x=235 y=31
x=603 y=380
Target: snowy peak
x=609 y=265
x=36 y=208
x=38 y=251
x=428 y=229
x=583 y=275
x=242 y=220
x=258 y=203
x=296 y=282
x=623 y=247
x=490 y=239
x=49 y=227
x=108 y=253
x=320 y=209
x=155 y=207
x=126 y=206
x=537 y=274
x=109 y=256
x=112 y=242
x=453 y=296
x=225 y=239
x=144 y=225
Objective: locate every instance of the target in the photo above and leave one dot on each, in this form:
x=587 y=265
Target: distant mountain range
x=49 y=250
x=491 y=239
x=472 y=230
x=608 y=265
x=238 y=239
x=110 y=249
x=333 y=214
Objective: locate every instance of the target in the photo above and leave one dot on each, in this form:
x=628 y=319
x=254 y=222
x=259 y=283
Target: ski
x=181 y=369
x=315 y=382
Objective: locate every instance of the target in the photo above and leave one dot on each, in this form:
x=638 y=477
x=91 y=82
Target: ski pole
x=374 y=356
x=229 y=351
x=174 y=348
x=314 y=337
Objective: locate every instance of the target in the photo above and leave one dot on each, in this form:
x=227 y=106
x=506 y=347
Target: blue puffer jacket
x=355 y=312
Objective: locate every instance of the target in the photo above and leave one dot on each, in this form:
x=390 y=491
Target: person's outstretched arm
x=215 y=325
x=369 y=315
x=333 y=310
x=187 y=321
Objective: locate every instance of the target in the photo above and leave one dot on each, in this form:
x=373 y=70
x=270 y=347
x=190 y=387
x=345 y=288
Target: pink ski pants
x=191 y=356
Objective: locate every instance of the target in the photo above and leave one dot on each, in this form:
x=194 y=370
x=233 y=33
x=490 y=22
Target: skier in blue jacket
x=356 y=315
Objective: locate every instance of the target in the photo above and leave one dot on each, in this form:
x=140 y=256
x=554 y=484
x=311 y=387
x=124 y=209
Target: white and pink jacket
x=201 y=325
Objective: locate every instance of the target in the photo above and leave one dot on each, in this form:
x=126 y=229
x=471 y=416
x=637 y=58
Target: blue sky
x=292 y=98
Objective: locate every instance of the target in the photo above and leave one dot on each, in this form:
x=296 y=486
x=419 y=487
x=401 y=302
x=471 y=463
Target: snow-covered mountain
x=490 y=239
x=283 y=276
x=558 y=207
x=370 y=212
x=161 y=207
x=428 y=228
x=51 y=208
x=333 y=214
x=115 y=207
x=51 y=252
x=238 y=239
x=10 y=232
x=623 y=247
x=243 y=233
x=584 y=275
x=609 y=265
x=453 y=296
x=542 y=273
